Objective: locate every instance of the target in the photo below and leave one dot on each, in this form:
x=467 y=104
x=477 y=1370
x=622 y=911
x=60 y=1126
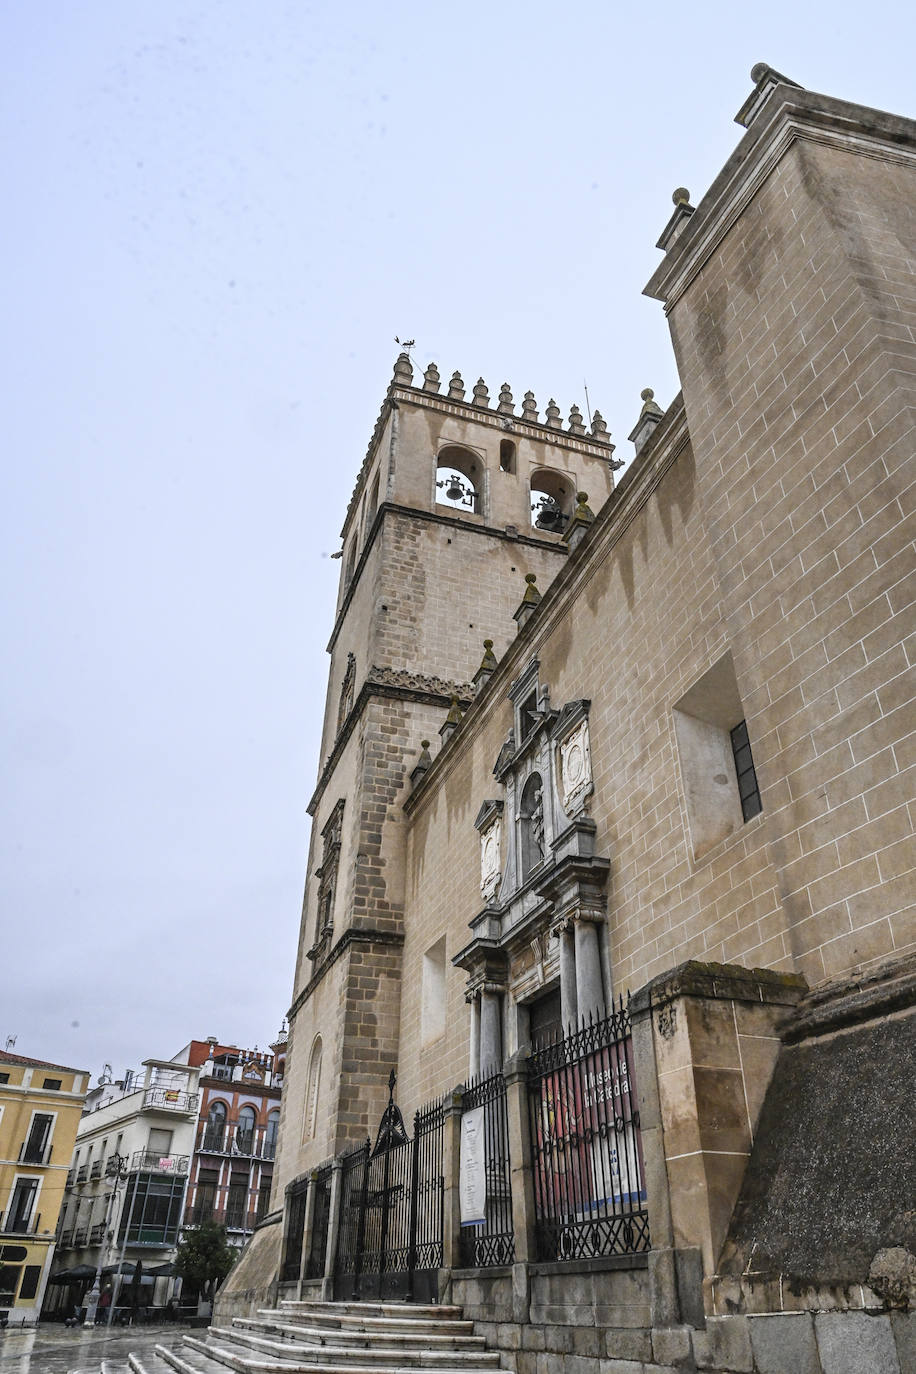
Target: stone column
x=451 y=1200
x=520 y=1169
x=589 y=992
x=491 y=1054
x=569 y=1005
x=474 y=1055
x=307 y=1232
x=330 y=1254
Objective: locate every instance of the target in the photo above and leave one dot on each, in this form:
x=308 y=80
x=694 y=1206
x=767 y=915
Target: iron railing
x=491 y=1241
x=152 y=1162
x=170 y=1100
x=321 y=1220
x=295 y=1210
x=585 y=1145
x=229 y=1138
x=392 y=1194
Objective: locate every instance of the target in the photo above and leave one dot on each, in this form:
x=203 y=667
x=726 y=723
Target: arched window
x=373 y=503
x=347 y=687
x=312 y=1090
x=552 y=500
x=215 y=1127
x=459 y=478
x=532 y=824
x=350 y=564
x=273 y=1130
x=244 y=1135
x=507 y=455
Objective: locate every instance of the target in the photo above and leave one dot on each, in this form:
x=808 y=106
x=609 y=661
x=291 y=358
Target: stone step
x=165 y=1361
x=372 y=1321
x=373 y=1356
x=250 y=1362
x=376 y=1309
x=244 y=1361
x=332 y=1337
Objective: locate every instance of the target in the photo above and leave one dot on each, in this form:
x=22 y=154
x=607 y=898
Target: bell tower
x=460 y=504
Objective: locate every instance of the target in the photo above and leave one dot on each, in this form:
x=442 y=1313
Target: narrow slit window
x=751 y=804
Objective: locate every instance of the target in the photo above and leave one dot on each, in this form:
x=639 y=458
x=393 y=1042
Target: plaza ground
x=52 y=1349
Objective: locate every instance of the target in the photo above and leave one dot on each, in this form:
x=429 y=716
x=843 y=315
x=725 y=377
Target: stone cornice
x=355 y=935
x=788 y=114
x=508 y=424
x=393 y=684
x=623 y=506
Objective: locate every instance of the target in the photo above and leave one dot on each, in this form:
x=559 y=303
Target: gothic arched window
x=345 y=702
x=311 y=1095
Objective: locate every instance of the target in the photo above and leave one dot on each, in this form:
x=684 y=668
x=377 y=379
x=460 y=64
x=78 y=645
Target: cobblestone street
x=52 y=1349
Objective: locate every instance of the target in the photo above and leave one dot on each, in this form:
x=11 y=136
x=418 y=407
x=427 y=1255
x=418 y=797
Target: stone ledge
x=727 y=982
x=599 y=1265
x=890 y=988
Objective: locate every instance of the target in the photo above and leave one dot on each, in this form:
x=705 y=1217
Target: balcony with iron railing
x=151 y=1162
x=82 y=1173
x=170 y=1100
x=97 y=1233
x=229 y=1138
x=232 y=1217
x=95 y=1170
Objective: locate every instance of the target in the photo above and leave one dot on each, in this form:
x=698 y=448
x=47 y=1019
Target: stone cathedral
x=612 y=842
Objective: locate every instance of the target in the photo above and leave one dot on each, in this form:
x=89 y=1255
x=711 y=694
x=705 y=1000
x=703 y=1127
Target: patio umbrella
x=125 y=1267
x=161 y=1271
x=135 y=1284
x=74 y=1275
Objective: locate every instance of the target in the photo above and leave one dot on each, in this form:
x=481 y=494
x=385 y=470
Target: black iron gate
x=390 y=1237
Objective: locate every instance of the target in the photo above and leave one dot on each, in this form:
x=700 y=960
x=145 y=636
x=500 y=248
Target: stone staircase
x=331 y=1338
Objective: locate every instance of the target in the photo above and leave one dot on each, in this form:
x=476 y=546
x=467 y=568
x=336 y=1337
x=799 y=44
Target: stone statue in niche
x=532 y=824
x=576 y=768
x=490 y=858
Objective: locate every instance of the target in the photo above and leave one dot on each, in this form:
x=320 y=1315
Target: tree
x=205 y=1256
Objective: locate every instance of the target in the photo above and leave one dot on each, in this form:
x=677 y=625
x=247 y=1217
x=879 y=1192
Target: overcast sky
x=217 y=217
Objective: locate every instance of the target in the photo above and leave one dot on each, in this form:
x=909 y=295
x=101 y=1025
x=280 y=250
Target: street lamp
x=116 y=1170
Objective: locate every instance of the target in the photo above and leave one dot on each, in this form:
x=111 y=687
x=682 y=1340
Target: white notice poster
x=472 y=1177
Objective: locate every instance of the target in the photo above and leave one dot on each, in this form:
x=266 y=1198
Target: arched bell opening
x=552 y=500
x=459 y=478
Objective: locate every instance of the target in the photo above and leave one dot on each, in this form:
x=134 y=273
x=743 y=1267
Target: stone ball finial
x=424 y=743
x=488 y=644
x=681 y=196
x=582 y=498
x=647 y=394
x=531 y=577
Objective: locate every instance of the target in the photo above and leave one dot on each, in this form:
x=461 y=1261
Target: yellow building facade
x=40 y=1108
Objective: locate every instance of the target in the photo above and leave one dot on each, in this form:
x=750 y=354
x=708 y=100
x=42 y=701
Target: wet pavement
x=52 y=1349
